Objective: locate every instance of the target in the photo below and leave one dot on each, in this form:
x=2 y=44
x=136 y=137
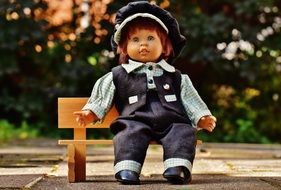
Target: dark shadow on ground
x=155 y=182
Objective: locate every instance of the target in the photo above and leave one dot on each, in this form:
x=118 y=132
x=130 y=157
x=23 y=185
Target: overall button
x=166 y=86
x=150 y=67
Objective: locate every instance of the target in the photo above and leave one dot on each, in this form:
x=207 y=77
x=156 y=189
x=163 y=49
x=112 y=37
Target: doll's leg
x=179 y=152
x=130 y=146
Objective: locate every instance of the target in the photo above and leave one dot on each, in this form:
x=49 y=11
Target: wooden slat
x=90 y=142
x=66 y=119
x=93 y=142
x=87 y=142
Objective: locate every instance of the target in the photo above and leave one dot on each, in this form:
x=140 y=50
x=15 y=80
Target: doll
x=155 y=101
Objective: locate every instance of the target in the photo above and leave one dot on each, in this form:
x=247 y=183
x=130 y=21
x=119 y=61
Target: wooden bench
x=76 y=147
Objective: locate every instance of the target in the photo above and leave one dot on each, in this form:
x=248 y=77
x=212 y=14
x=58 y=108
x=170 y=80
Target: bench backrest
x=66 y=119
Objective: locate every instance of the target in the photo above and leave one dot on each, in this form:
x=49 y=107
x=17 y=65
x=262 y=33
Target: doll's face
x=144 y=46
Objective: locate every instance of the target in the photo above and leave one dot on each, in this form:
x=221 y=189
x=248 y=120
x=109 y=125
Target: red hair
x=147 y=24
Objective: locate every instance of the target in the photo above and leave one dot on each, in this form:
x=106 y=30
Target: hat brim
x=117 y=34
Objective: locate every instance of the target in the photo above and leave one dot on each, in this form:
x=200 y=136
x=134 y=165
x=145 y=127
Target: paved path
x=217 y=166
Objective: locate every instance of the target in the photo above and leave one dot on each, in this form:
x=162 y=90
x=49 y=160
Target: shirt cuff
x=96 y=109
x=199 y=115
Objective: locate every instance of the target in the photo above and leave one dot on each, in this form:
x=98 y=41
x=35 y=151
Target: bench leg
x=76 y=163
x=80 y=163
x=71 y=163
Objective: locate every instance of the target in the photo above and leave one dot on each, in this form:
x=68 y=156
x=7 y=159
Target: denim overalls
x=147 y=115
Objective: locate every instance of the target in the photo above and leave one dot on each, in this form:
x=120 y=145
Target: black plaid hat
x=145 y=9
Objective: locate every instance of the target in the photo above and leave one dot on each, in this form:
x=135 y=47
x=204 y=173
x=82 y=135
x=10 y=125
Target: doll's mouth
x=143 y=52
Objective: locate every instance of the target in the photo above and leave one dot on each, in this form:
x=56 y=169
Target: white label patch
x=133 y=99
x=170 y=98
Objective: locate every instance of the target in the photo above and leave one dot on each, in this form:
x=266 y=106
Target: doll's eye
x=150 y=38
x=135 y=39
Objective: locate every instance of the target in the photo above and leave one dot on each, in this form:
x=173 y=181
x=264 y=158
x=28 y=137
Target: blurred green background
x=54 y=48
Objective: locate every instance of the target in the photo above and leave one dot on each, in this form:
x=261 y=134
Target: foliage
x=9 y=131
x=35 y=70
x=238 y=117
x=238 y=45
x=233 y=56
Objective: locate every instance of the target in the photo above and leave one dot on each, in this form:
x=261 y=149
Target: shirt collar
x=166 y=66
x=133 y=65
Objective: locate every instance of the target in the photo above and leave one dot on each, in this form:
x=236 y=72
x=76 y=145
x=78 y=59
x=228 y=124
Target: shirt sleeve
x=192 y=102
x=102 y=96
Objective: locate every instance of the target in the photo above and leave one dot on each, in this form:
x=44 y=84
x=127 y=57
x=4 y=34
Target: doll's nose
x=143 y=43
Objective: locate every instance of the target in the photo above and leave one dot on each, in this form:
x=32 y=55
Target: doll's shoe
x=177 y=175
x=128 y=177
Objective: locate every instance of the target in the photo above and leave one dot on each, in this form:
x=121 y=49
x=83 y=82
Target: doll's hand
x=85 y=117
x=207 y=122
